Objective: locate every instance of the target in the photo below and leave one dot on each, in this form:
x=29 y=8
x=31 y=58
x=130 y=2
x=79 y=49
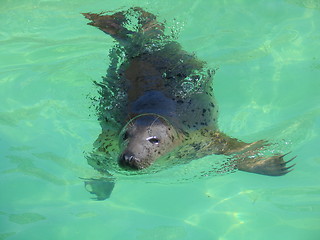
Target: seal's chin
x=129 y=162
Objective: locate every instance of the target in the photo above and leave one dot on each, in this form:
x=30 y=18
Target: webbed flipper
x=106 y=150
x=115 y=24
x=271 y=166
x=100 y=187
x=246 y=157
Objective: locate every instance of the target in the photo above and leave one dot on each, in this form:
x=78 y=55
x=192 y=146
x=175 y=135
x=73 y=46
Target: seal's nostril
x=128 y=160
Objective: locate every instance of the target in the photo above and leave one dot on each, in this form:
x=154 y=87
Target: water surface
x=267 y=87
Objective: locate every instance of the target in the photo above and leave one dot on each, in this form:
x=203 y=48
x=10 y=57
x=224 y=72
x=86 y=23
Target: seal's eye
x=153 y=140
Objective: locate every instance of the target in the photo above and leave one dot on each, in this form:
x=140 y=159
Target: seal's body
x=158 y=99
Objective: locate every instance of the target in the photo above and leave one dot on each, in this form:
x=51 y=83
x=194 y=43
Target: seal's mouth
x=130 y=162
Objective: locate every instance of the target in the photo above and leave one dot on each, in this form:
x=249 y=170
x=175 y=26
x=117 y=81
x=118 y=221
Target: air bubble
x=187 y=86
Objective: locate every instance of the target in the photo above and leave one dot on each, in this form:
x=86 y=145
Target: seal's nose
x=128 y=160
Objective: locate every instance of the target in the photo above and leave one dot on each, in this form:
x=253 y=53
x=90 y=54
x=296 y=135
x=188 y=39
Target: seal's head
x=144 y=139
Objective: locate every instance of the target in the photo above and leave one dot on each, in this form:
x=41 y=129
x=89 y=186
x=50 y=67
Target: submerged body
x=162 y=105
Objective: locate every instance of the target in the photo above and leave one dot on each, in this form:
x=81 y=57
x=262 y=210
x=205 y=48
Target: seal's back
x=154 y=75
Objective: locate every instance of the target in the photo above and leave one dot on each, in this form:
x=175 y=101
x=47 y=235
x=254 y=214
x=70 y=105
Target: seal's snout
x=128 y=160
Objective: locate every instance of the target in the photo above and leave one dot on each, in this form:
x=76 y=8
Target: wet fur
x=152 y=79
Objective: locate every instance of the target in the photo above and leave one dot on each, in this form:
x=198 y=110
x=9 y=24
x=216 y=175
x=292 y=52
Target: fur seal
x=157 y=99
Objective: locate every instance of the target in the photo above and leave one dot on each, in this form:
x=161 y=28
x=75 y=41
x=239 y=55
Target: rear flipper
x=110 y=24
x=114 y=24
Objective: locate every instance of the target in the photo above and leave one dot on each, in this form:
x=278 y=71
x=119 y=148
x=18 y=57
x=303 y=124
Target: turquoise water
x=267 y=87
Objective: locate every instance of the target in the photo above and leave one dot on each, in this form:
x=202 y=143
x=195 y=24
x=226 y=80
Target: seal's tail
x=114 y=24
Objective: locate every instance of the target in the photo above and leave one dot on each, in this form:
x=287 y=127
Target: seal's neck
x=153 y=102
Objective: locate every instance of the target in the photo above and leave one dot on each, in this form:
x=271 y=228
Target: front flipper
x=246 y=157
x=106 y=150
x=271 y=166
x=101 y=187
